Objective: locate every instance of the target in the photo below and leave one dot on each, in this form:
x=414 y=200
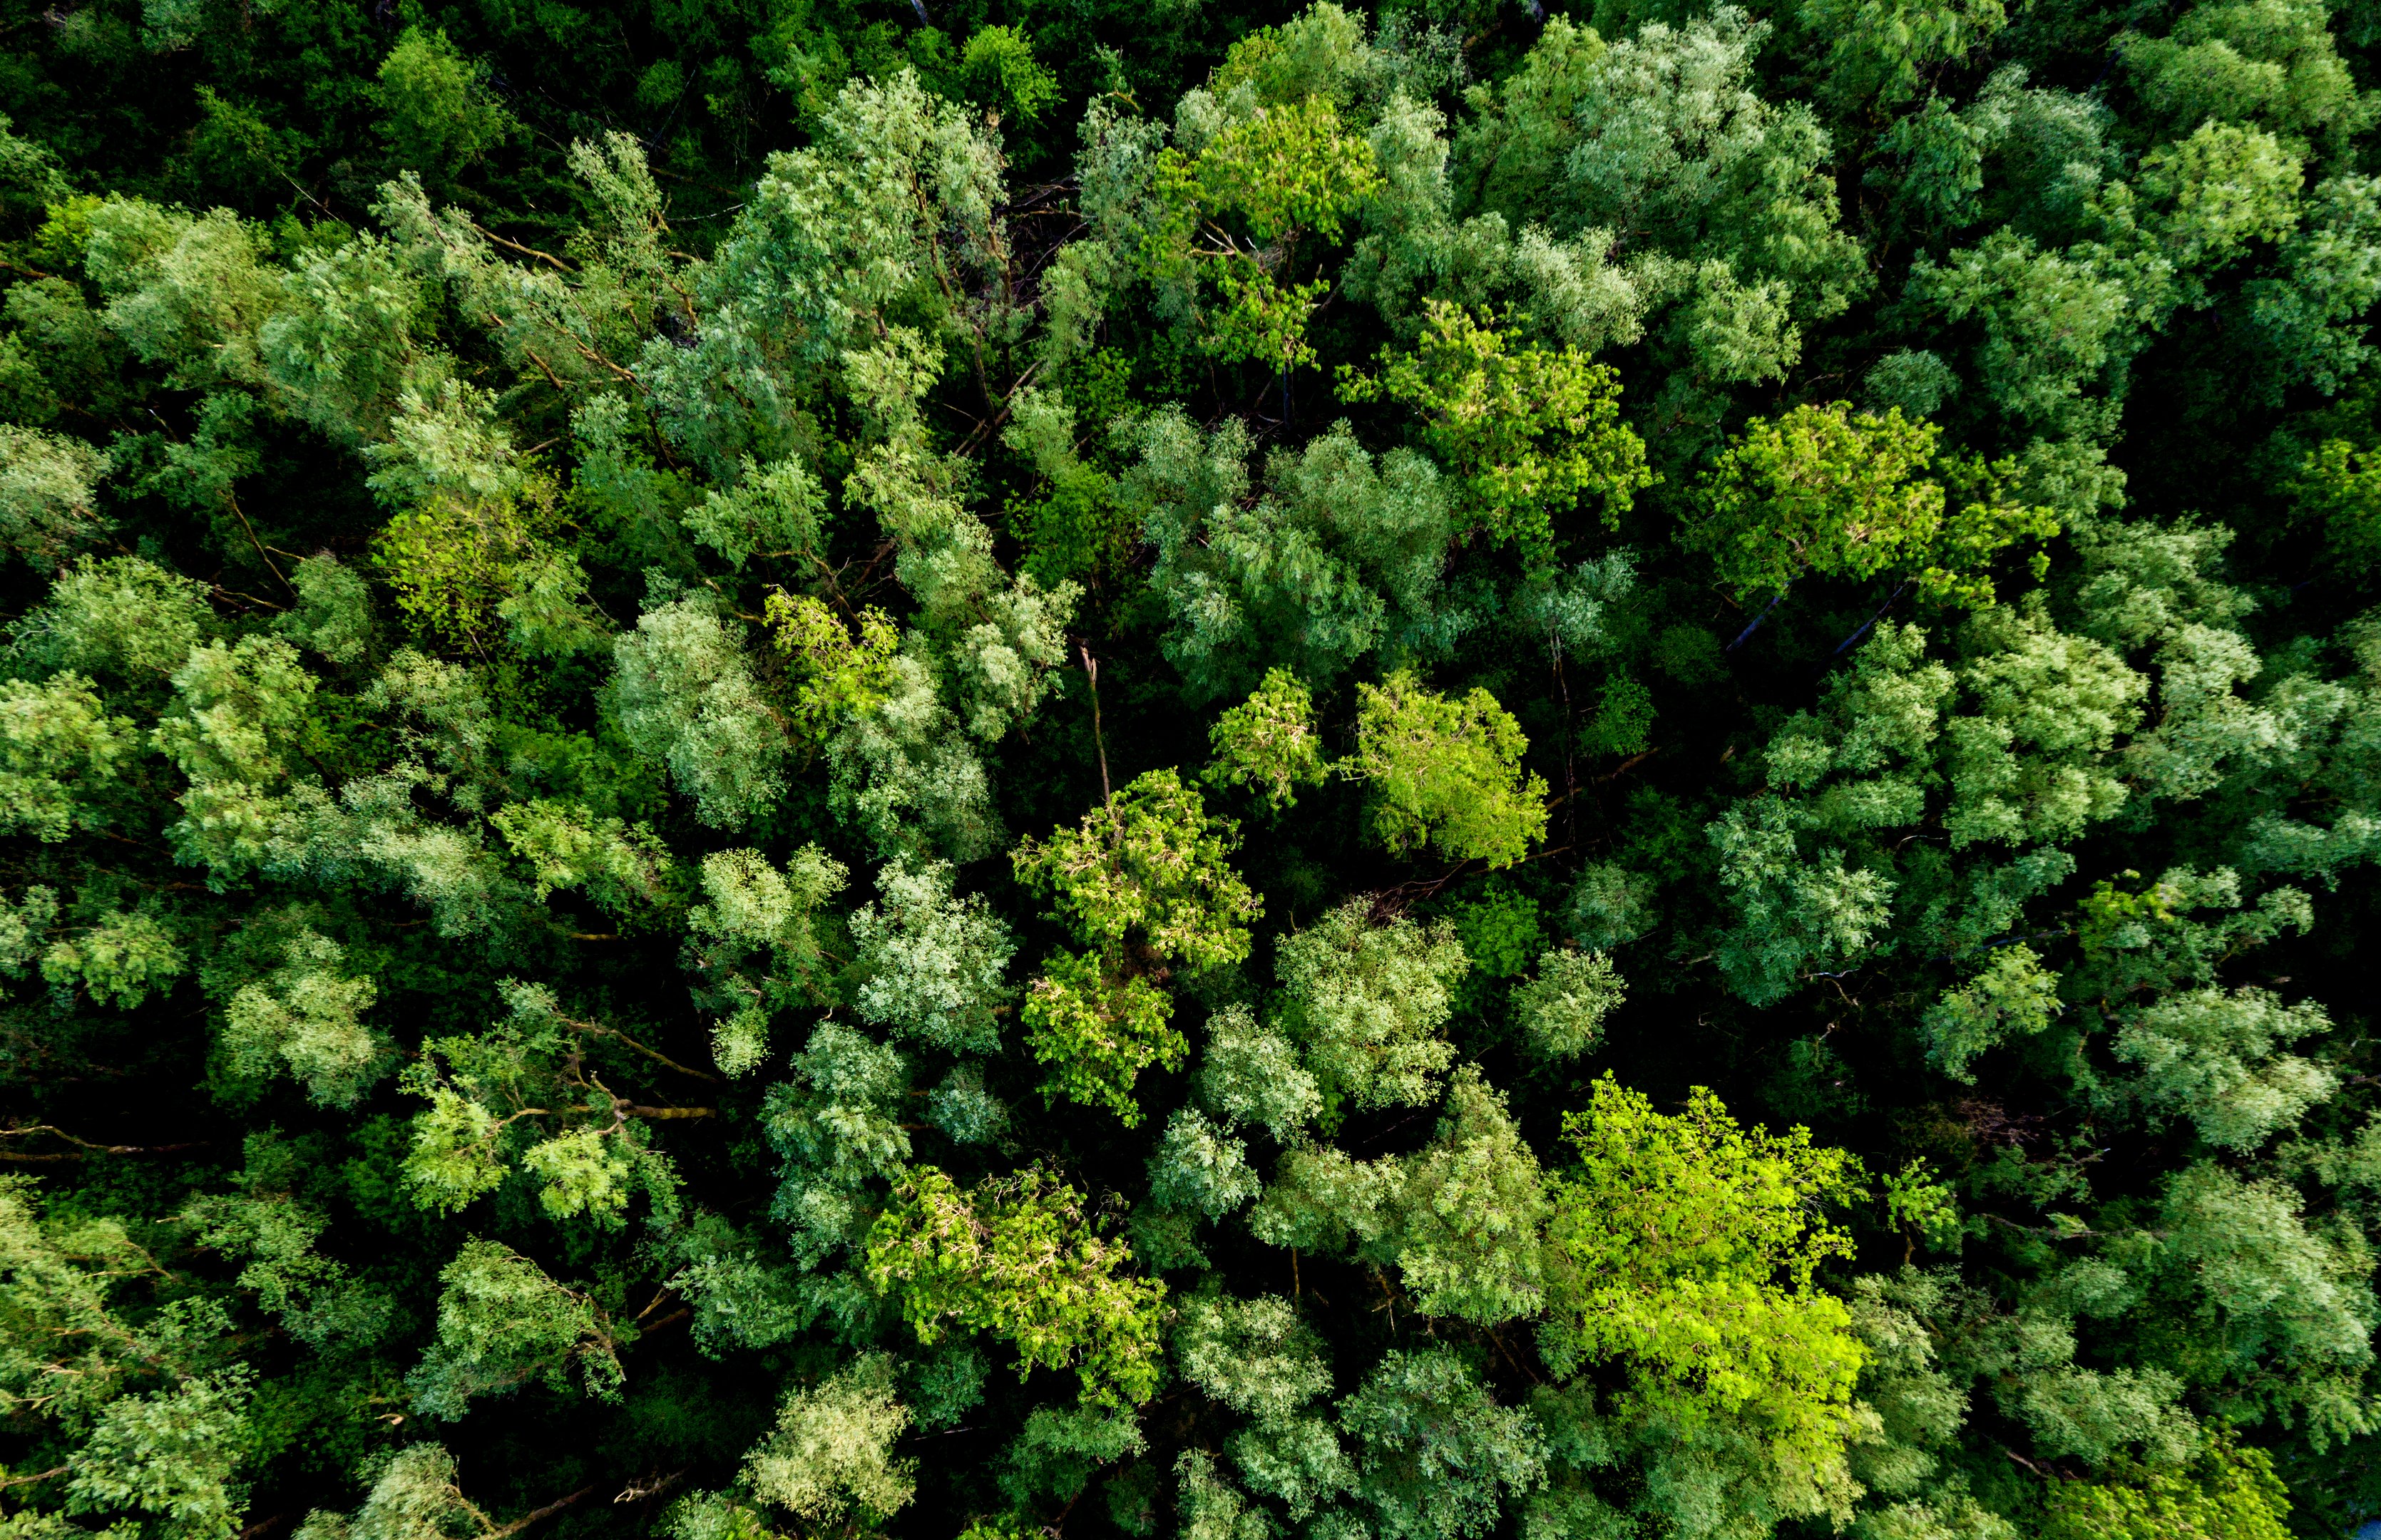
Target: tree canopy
x=1441 y=770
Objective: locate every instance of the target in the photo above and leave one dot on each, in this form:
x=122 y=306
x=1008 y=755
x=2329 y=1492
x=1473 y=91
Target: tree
x=1097 y=1031
x=1525 y=431
x=1269 y=742
x=685 y=697
x=830 y=1452
x=1281 y=171
x=2226 y=1491
x=1446 y=771
x=501 y=1323
x=1150 y=867
x=1439 y=1455
x=523 y=643
x=437 y=114
x=934 y=963
x=1836 y=493
x=1019 y=1257
x=1365 y=1004
x=1686 y=1251
x=1562 y=1009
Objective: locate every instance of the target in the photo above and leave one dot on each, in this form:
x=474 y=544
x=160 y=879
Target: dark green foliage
x=775 y=769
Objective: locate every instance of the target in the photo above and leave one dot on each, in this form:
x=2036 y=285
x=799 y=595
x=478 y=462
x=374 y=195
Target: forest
x=1223 y=769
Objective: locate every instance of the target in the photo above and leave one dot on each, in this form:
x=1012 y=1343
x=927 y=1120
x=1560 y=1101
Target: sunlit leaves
x=1019 y=1257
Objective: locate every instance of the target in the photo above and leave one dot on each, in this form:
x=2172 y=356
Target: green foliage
x=1836 y=493
x=934 y=963
x=1020 y=1258
x=842 y=677
x=61 y=752
x=1282 y=171
x=553 y=546
x=436 y=112
x=685 y=697
x=2226 y=1491
x=1097 y=1031
x=1150 y=866
x=1918 y=1201
x=304 y=1022
x=830 y=1453
x=1562 y=1009
x=1365 y=1004
x=1687 y=1250
x=1525 y=432
x=1000 y=69
x=2013 y=997
x=1268 y=742
x=504 y=1324
x=1446 y=771
x=1438 y=1454
x=48 y=496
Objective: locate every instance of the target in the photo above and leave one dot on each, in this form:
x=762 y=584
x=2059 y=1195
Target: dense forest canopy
x=798 y=769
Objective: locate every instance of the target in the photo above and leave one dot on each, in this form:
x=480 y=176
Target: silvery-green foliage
x=965 y=1111
x=1671 y=143
x=1920 y=1409
x=1610 y=905
x=774 y=512
x=124 y=618
x=305 y=1021
x=1577 y=614
x=1562 y=1009
x=739 y=1297
x=831 y=1452
x=1794 y=911
x=1440 y=1458
x=1340 y=558
x=2269 y=1283
x=49 y=492
x=753 y=946
x=685 y=697
x=349 y=338
x=1251 y=1074
x=578 y=326
x=445 y=439
x=414 y=1498
x=189 y=292
x=1209 y=1508
x=1365 y=1004
x=2216 y=1057
x=838 y=1125
x=1199 y=1167
x=1254 y=1356
x=893 y=182
x=933 y=965
x=904 y=773
x=1000 y=667
x=2033 y=762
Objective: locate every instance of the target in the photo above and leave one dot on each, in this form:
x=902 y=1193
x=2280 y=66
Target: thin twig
x=1092 y=671
x=548 y=1512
